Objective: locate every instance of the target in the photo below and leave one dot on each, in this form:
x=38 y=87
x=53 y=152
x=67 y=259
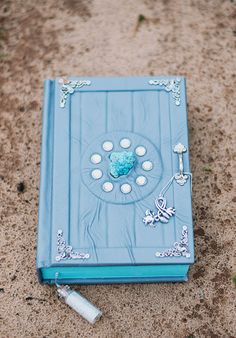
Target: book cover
x=115 y=191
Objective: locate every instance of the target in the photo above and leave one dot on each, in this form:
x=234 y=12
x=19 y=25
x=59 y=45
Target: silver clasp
x=180 y=177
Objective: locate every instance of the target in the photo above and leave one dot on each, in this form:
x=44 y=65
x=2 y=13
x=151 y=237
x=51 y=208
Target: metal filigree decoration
x=163 y=213
x=172 y=85
x=180 y=177
x=66 y=251
x=68 y=87
x=179 y=248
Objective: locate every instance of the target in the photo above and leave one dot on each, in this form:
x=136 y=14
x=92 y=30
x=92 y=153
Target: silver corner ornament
x=68 y=87
x=65 y=251
x=172 y=85
x=180 y=248
x=180 y=177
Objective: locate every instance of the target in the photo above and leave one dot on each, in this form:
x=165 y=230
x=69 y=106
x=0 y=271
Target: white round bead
x=107 y=186
x=96 y=174
x=147 y=165
x=126 y=188
x=107 y=145
x=140 y=151
x=96 y=158
x=125 y=143
x=141 y=180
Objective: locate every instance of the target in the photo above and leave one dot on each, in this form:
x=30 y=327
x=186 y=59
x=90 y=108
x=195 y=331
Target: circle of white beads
x=107 y=186
x=126 y=188
x=107 y=145
x=125 y=143
x=96 y=174
x=140 y=151
x=96 y=158
x=147 y=165
x=141 y=180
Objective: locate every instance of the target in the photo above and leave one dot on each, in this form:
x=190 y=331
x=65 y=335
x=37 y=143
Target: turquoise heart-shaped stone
x=121 y=163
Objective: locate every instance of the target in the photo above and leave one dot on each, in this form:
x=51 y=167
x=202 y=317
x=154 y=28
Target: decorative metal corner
x=172 y=85
x=68 y=87
x=65 y=251
x=179 y=248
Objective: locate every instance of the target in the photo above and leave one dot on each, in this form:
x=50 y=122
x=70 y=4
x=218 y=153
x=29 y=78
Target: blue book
x=115 y=191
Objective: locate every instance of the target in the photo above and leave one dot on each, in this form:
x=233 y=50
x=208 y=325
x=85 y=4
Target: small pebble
x=20 y=187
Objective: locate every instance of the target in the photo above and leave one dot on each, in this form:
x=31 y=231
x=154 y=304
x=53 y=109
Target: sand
x=44 y=39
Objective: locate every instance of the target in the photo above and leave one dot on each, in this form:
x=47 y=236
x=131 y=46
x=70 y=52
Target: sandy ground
x=42 y=39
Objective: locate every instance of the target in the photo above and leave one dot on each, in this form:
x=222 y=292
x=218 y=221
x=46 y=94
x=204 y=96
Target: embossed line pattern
x=93 y=223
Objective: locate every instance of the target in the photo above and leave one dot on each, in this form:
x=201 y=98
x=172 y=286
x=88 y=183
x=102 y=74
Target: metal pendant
x=162 y=215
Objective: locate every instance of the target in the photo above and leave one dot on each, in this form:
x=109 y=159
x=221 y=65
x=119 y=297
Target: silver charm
x=180 y=177
x=179 y=248
x=66 y=251
x=68 y=87
x=163 y=213
x=172 y=85
x=150 y=218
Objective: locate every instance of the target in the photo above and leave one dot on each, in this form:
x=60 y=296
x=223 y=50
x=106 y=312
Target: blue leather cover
x=108 y=226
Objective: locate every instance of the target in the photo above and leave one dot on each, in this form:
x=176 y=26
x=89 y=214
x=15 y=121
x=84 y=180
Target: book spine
x=46 y=181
